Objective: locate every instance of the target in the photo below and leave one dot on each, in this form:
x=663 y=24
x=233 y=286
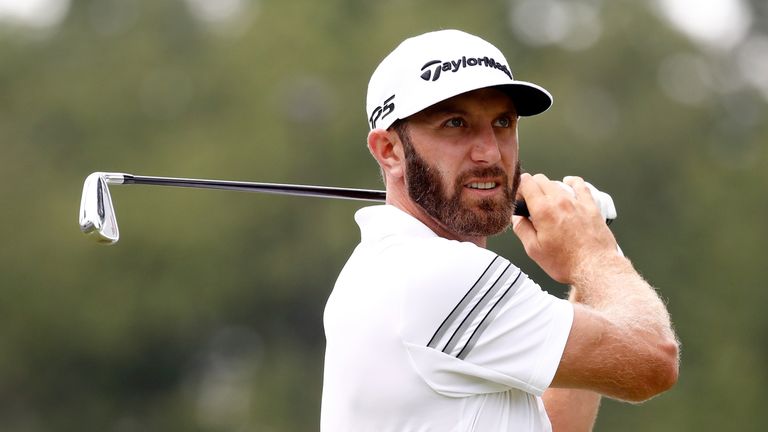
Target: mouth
x=482 y=185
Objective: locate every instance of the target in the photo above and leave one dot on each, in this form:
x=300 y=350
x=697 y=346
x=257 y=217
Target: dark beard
x=426 y=188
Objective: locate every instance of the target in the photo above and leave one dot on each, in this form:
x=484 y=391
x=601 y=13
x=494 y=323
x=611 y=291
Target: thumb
x=524 y=230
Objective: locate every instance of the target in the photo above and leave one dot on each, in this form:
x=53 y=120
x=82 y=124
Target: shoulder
x=428 y=264
x=438 y=251
x=444 y=278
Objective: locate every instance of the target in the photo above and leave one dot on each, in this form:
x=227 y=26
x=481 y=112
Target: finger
x=584 y=192
x=529 y=189
x=580 y=187
x=537 y=190
x=524 y=230
x=551 y=188
x=571 y=180
x=542 y=181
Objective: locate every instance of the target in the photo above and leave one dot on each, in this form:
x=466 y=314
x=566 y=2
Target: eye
x=503 y=122
x=455 y=122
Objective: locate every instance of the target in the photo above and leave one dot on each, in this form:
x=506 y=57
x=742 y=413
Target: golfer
x=427 y=330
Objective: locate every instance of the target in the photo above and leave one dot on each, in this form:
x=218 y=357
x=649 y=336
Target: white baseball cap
x=432 y=67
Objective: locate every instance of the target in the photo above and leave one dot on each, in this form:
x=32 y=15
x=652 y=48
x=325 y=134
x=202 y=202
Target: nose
x=485 y=147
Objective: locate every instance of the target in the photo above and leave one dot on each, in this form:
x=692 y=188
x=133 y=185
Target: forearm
x=621 y=342
x=632 y=349
x=611 y=285
x=571 y=410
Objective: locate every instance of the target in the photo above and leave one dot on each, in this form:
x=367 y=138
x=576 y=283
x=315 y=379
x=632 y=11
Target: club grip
x=603 y=200
x=521 y=208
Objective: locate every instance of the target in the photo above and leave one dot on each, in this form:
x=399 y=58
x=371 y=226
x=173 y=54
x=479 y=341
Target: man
x=429 y=331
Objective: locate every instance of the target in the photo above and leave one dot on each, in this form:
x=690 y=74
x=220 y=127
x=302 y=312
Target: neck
x=399 y=198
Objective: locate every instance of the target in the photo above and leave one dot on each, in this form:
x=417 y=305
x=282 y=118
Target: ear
x=386 y=148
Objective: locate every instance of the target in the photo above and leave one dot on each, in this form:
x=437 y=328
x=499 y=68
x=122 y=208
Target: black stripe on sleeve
x=491 y=315
x=463 y=328
x=462 y=304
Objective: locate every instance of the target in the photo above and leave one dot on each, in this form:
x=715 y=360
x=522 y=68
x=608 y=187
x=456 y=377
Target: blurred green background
x=207 y=315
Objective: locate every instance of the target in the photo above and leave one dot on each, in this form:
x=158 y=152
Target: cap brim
x=529 y=99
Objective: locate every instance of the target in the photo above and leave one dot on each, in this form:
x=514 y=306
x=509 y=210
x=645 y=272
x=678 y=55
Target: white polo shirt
x=429 y=334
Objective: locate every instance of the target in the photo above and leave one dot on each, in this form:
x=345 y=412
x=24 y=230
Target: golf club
x=97 y=214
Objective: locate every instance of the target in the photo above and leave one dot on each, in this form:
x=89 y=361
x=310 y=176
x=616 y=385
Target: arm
x=621 y=343
x=571 y=410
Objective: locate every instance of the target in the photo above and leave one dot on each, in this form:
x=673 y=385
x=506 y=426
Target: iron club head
x=97 y=215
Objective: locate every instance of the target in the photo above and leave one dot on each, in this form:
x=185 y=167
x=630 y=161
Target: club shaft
x=272 y=188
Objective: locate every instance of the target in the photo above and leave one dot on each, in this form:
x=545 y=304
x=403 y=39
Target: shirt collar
x=377 y=222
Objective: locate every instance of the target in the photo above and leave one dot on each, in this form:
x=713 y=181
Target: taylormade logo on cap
x=453 y=66
x=432 y=67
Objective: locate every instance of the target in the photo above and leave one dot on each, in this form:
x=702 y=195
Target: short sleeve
x=474 y=323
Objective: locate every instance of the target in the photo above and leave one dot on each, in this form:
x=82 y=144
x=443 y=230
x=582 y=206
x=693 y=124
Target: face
x=462 y=163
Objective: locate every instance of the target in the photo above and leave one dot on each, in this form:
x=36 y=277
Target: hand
x=565 y=232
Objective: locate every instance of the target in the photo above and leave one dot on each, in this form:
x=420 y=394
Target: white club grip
x=603 y=200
